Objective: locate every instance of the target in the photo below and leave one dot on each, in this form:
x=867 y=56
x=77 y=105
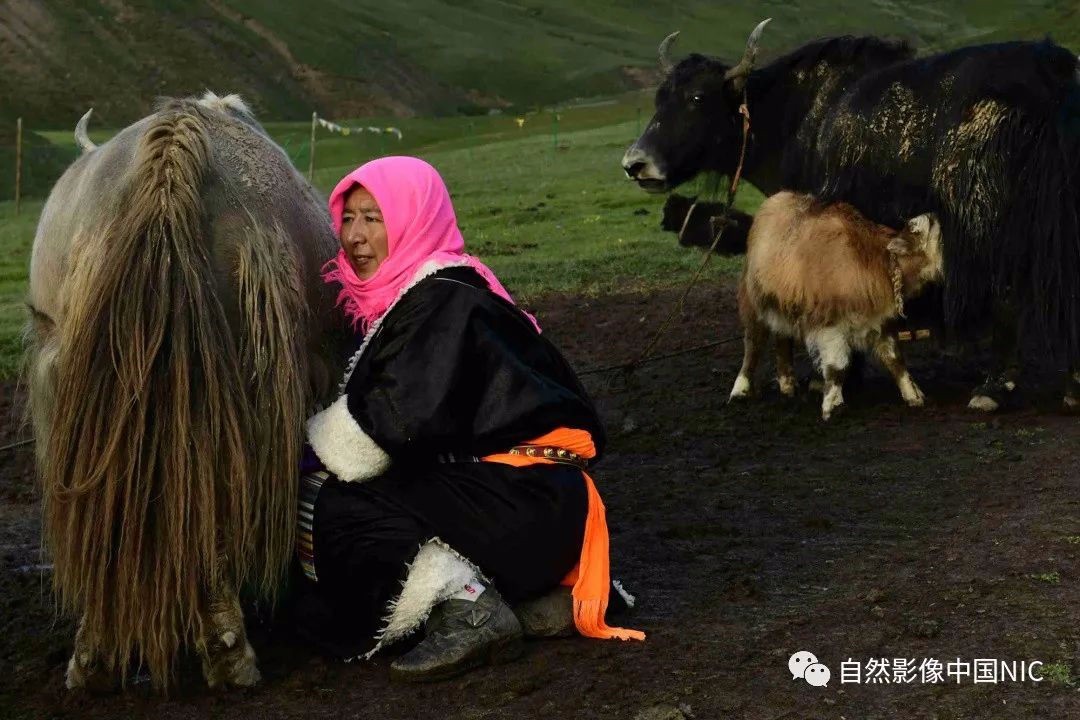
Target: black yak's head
x=697 y=125
x=674 y=213
x=705 y=223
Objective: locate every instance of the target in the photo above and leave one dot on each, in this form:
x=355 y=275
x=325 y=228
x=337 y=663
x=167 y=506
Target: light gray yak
x=179 y=336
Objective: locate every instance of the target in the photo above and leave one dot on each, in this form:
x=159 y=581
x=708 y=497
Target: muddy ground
x=747 y=532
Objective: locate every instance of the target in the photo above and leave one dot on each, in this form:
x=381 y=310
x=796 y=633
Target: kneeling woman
x=452 y=464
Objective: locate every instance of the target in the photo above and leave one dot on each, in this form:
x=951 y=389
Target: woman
x=452 y=463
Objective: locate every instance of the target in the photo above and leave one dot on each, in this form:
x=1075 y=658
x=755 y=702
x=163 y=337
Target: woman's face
x=363 y=233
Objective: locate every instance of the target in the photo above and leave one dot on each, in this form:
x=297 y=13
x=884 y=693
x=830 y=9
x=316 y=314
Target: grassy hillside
x=550 y=211
x=545 y=218
x=347 y=58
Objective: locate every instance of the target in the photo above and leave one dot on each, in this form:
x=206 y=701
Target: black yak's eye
x=697 y=99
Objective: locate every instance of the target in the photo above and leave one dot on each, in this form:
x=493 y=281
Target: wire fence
x=33 y=160
x=32 y=163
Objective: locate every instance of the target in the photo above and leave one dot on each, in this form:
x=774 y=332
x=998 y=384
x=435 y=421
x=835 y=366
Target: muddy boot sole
x=548 y=616
x=498 y=653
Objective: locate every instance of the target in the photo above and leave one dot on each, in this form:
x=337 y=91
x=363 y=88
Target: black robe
x=453 y=372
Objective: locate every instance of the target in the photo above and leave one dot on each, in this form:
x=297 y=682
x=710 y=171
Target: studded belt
x=548 y=452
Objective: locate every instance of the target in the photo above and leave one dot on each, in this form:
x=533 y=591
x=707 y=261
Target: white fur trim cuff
x=343 y=446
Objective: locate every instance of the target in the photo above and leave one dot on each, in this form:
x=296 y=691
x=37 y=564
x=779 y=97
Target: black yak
x=987 y=138
x=704 y=223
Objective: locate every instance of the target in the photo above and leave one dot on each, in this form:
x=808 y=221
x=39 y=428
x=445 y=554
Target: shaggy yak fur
x=179 y=336
x=987 y=138
x=826 y=275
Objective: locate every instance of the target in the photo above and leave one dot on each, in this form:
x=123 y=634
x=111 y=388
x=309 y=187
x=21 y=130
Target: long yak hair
x=996 y=155
x=176 y=422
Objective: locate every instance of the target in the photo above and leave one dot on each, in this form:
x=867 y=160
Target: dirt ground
x=748 y=533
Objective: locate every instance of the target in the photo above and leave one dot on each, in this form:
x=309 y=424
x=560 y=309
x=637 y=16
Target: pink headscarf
x=420 y=227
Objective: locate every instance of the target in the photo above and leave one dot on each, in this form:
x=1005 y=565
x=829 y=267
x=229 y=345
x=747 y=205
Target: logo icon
x=817 y=675
x=805 y=665
x=798 y=663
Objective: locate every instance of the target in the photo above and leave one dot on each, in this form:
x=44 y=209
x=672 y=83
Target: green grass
x=1051 y=578
x=1059 y=673
x=16 y=238
x=428 y=56
x=563 y=220
x=546 y=219
x=403 y=63
x=548 y=213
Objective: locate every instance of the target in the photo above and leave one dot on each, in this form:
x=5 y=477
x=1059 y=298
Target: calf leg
x=1005 y=370
x=887 y=350
x=755 y=334
x=785 y=367
x=833 y=351
x=227 y=656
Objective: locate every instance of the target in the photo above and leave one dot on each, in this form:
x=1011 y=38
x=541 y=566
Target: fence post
x=555 y=130
x=18 y=164
x=311 y=154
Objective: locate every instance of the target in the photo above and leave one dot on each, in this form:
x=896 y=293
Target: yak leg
x=85 y=668
x=785 y=366
x=833 y=352
x=887 y=350
x=227 y=656
x=1072 y=390
x=1005 y=348
x=755 y=335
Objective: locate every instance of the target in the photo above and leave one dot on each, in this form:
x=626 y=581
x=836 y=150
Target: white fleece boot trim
x=435 y=575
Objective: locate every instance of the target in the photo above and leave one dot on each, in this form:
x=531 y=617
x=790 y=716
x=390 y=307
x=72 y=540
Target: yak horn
x=747 y=63
x=81 y=137
x=664 y=53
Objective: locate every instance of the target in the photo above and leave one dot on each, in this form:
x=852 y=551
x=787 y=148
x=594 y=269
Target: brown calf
x=829 y=276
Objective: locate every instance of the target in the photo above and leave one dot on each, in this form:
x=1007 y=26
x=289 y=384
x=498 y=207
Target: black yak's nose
x=633 y=169
x=634 y=161
x=639 y=165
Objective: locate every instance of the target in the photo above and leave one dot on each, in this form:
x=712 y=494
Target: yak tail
x=174 y=439
x=1027 y=253
x=1050 y=281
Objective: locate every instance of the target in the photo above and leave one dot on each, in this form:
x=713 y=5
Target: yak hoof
x=741 y=389
x=832 y=403
x=787 y=384
x=912 y=393
x=77 y=672
x=85 y=673
x=1072 y=393
x=231 y=663
x=983 y=403
x=85 y=669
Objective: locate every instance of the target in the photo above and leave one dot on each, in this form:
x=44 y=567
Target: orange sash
x=591 y=577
